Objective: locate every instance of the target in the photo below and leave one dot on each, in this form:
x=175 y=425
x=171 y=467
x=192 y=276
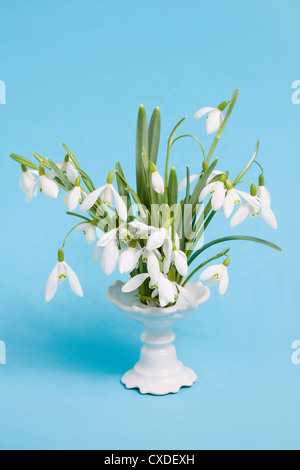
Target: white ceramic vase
x=158 y=371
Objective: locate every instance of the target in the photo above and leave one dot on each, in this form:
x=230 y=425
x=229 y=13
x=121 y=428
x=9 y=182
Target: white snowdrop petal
x=199 y=114
x=135 y=282
x=91 y=199
x=110 y=258
x=213 y=121
x=218 y=196
x=52 y=284
x=224 y=282
x=241 y=214
x=107 y=196
x=158 y=183
x=74 y=281
x=156 y=239
x=49 y=187
x=181 y=263
x=209 y=272
x=205 y=191
x=97 y=253
x=108 y=237
x=264 y=195
x=268 y=215
x=120 y=205
x=153 y=267
x=72 y=173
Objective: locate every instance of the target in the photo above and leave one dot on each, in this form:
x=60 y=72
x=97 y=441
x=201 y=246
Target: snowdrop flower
x=158 y=238
x=28 y=183
x=182 y=185
x=217 y=274
x=73 y=197
x=59 y=274
x=108 y=250
x=265 y=201
x=89 y=230
x=174 y=256
x=67 y=167
x=129 y=258
x=157 y=181
x=214 y=118
x=165 y=289
x=223 y=195
x=47 y=185
x=251 y=207
x=108 y=194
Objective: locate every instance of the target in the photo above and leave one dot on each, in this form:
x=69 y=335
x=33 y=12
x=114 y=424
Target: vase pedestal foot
x=158 y=371
x=159 y=385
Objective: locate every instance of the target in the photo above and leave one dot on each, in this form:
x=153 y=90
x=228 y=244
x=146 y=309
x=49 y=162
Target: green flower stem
x=72 y=229
x=218 y=136
x=231 y=238
x=192 y=137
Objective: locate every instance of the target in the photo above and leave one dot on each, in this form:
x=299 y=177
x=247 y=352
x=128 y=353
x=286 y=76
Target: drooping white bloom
x=60 y=273
x=217 y=274
x=129 y=258
x=166 y=289
x=73 y=197
x=157 y=181
x=249 y=208
x=173 y=255
x=109 y=194
x=28 y=183
x=107 y=249
x=265 y=200
x=89 y=230
x=67 y=167
x=157 y=238
x=214 y=118
x=47 y=185
x=223 y=195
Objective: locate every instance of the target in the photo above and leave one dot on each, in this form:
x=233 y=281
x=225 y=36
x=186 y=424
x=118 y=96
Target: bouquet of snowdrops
x=155 y=233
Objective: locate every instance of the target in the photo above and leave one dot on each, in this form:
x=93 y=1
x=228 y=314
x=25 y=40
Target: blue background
x=76 y=72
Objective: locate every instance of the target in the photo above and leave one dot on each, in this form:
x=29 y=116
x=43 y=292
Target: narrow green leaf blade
x=68 y=186
x=172 y=188
x=154 y=135
x=23 y=161
x=141 y=144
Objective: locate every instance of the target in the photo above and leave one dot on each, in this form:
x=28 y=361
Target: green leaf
x=154 y=135
x=71 y=155
x=122 y=184
x=202 y=183
x=68 y=186
x=42 y=160
x=230 y=238
x=248 y=166
x=23 y=161
x=141 y=144
x=172 y=188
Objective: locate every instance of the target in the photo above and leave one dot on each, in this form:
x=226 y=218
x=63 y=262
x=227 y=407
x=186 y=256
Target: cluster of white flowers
x=149 y=254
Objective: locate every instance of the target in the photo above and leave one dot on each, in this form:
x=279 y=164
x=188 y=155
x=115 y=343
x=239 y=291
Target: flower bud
x=226 y=262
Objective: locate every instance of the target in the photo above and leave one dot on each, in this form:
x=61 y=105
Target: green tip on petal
x=110 y=177
x=226 y=262
x=24 y=168
x=61 y=255
x=253 y=190
x=261 y=180
x=41 y=170
x=171 y=275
